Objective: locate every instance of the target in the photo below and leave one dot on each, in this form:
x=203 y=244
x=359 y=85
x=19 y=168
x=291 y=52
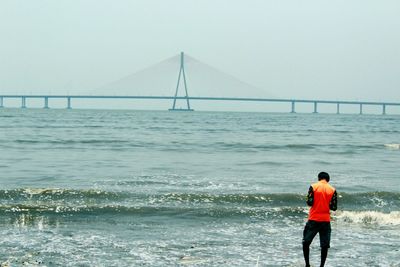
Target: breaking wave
x=353 y=200
x=393 y=146
x=369 y=217
x=361 y=208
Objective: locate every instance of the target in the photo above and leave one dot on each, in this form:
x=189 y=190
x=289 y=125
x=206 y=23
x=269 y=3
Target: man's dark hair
x=323 y=176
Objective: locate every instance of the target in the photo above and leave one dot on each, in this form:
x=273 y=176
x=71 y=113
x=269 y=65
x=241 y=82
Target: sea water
x=159 y=188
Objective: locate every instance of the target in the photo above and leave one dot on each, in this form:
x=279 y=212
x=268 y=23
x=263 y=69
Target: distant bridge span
x=186 y=98
x=202 y=98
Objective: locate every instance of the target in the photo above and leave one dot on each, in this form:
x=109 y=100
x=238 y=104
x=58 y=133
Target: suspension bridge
x=182 y=81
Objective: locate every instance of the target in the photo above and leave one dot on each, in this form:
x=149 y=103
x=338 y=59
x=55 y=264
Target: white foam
x=392 y=146
x=39 y=191
x=369 y=217
x=190 y=260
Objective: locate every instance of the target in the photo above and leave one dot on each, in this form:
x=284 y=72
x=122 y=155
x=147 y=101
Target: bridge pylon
x=183 y=75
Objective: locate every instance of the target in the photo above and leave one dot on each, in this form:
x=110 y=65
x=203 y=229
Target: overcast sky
x=346 y=49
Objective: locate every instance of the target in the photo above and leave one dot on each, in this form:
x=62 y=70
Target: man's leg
x=306 y=253
x=308 y=235
x=325 y=240
x=324 y=255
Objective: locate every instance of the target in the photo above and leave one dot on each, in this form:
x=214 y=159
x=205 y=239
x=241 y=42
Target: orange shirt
x=320 y=210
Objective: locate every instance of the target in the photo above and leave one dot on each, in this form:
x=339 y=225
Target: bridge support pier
x=23 y=102
x=383 y=109
x=69 y=103
x=315 y=107
x=1 y=102
x=293 y=107
x=337 y=108
x=361 y=109
x=46 y=102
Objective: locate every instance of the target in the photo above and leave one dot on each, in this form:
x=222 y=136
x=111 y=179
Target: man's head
x=323 y=176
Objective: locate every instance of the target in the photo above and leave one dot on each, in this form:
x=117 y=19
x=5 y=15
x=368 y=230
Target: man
x=322 y=198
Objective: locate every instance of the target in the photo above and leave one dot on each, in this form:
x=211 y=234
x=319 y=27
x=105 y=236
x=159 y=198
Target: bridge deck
x=293 y=102
x=206 y=98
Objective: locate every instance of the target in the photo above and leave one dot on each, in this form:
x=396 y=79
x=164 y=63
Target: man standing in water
x=322 y=198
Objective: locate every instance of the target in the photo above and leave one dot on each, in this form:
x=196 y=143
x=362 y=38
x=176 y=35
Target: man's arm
x=333 y=203
x=310 y=196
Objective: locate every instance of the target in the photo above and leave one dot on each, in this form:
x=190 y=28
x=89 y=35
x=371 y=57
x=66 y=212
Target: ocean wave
x=54 y=194
x=333 y=147
x=277 y=214
x=368 y=217
x=252 y=199
x=369 y=208
x=251 y=146
x=182 y=211
x=393 y=146
x=265 y=163
x=58 y=194
x=71 y=142
x=353 y=201
x=370 y=200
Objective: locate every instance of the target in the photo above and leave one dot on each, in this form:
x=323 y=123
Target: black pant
x=312 y=228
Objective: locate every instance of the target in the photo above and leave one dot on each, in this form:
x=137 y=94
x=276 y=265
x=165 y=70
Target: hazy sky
x=342 y=49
